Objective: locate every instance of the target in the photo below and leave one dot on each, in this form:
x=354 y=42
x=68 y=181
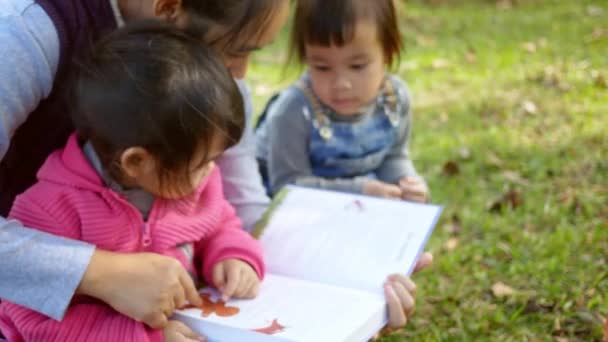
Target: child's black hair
x=151 y=85
x=333 y=22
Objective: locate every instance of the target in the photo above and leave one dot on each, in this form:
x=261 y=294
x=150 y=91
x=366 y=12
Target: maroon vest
x=78 y=23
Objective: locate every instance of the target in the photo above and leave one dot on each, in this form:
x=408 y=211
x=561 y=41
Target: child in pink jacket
x=152 y=110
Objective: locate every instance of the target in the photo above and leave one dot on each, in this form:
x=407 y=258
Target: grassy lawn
x=511 y=132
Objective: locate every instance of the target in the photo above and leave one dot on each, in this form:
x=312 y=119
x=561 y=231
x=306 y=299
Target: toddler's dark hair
x=153 y=86
x=333 y=22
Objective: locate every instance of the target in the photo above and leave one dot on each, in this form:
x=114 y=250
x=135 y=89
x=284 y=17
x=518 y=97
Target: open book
x=328 y=255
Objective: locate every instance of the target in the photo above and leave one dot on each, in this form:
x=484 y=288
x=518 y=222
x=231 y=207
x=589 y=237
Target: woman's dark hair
x=240 y=18
x=153 y=86
x=333 y=22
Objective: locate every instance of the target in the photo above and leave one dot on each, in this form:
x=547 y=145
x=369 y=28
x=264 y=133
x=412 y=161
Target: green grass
x=472 y=66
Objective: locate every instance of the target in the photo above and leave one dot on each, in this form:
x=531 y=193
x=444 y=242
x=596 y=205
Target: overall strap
x=320 y=120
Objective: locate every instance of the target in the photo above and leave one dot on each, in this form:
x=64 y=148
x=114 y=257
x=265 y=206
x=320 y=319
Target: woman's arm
x=241 y=180
x=39 y=270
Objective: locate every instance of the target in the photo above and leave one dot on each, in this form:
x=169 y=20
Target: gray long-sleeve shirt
x=38 y=270
x=284 y=137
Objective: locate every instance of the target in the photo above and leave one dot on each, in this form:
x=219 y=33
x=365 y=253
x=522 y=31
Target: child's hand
x=400 y=293
x=235 y=278
x=414 y=189
x=177 y=331
x=381 y=189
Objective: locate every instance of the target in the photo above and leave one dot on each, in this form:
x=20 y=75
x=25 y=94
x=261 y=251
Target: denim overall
x=342 y=149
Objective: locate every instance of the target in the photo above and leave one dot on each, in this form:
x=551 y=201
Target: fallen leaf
x=493 y=160
x=557 y=325
x=504 y=4
x=501 y=290
x=440 y=63
x=464 y=153
x=470 y=57
x=594 y=11
x=589 y=317
x=425 y=40
x=605 y=330
x=451 y=168
x=514 y=177
x=561 y=339
x=408 y=65
x=454 y=226
x=512 y=198
x=529 y=107
x=533 y=306
x=599 y=80
x=451 y=244
x=530 y=47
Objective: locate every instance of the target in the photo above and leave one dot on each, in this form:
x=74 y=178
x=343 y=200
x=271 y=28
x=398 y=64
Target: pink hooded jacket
x=71 y=200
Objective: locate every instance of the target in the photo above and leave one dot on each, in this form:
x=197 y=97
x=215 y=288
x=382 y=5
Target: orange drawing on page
x=209 y=307
x=274 y=328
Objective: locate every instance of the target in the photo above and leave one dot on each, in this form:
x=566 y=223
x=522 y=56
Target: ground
x=511 y=122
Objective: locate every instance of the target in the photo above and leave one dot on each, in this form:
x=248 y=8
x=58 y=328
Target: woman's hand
x=146 y=287
x=178 y=332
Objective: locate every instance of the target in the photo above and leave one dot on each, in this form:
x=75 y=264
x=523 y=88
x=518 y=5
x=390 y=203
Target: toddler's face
x=348 y=77
x=174 y=186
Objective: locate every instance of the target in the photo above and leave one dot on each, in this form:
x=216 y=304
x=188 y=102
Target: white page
x=308 y=311
x=344 y=239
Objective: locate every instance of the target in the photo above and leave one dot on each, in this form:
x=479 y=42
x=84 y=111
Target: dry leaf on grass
x=594 y=11
x=530 y=47
x=451 y=244
x=454 y=226
x=605 y=330
x=440 y=63
x=493 y=160
x=501 y=290
x=511 y=198
x=464 y=153
x=451 y=168
x=529 y=107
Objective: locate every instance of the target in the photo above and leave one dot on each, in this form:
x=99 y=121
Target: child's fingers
x=219 y=277
x=425 y=260
x=251 y=289
x=233 y=278
x=244 y=285
x=255 y=289
x=392 y=191
x=396 y=314
x=407 y=283
x=405 y=298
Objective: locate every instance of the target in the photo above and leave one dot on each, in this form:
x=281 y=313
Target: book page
x=290 y=310
x=343 y=239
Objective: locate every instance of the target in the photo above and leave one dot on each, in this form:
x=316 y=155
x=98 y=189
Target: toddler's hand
x=400 y=293
x=177 y=331
x=381 y=189
x=414 y=189
x=235 y=278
